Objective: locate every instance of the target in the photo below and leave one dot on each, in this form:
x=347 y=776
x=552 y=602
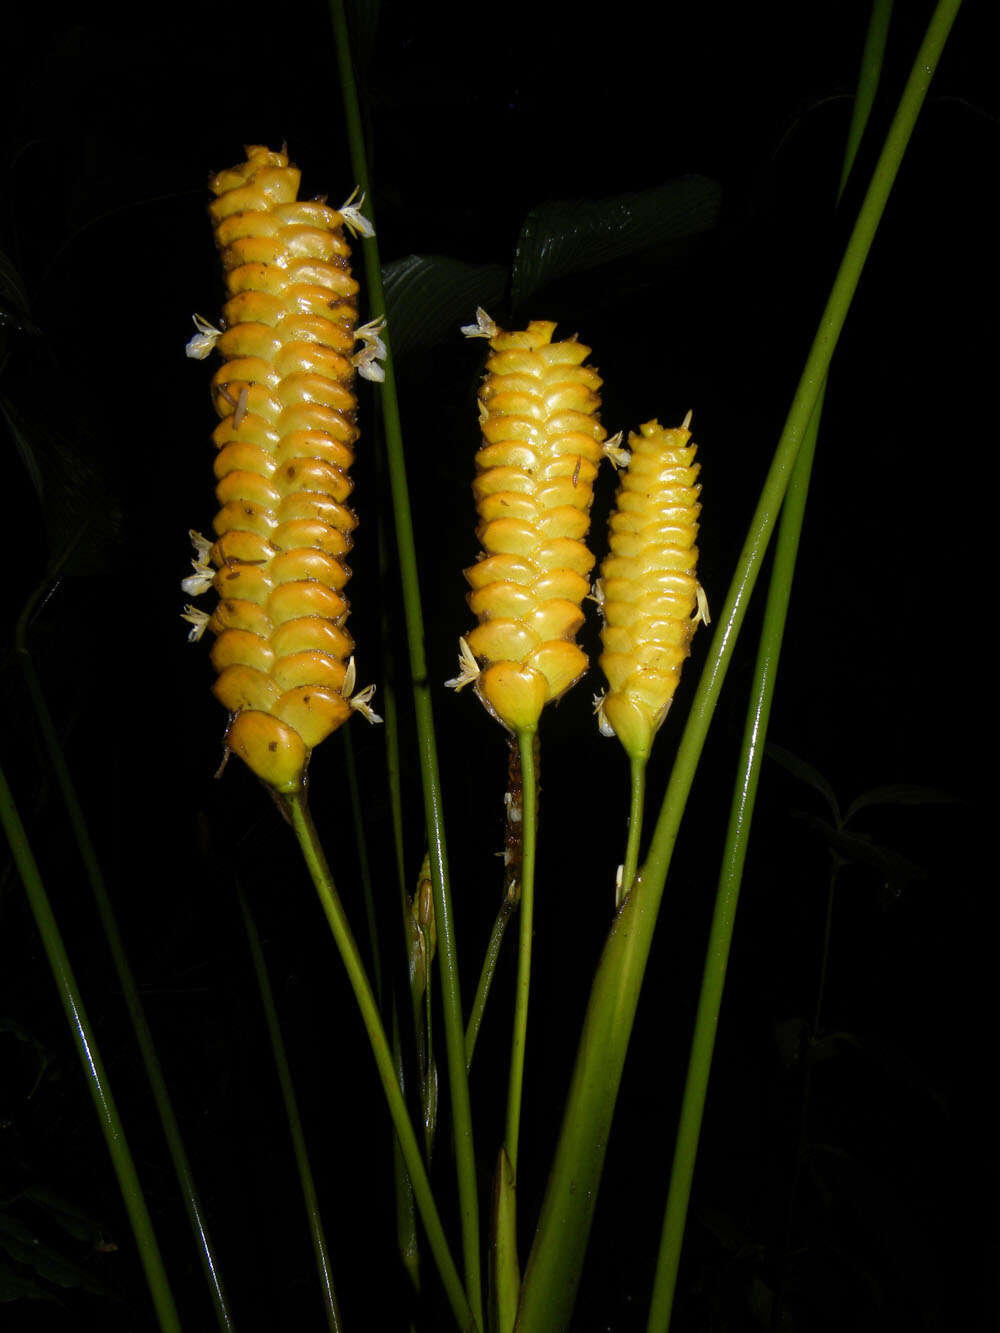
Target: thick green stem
x=323 y=882
x=93 y=1066
x=309 y=1195
x=550 y=1283
x=529 y=789
x=451 y=997
x=748 y=774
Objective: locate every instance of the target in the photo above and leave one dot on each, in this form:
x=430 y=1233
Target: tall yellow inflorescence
x=285 y=440
x=650 y=597
x=540 y=454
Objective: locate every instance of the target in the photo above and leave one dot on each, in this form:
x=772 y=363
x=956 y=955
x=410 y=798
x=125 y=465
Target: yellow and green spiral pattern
x=650 y=596
x=284 y=394
x=540 y=453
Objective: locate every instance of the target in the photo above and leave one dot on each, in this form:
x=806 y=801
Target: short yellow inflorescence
x=648 y=592
x=542 y=446
x=285 y=442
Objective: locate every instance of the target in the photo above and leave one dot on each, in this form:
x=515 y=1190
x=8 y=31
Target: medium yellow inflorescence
x=650 y=597
x=285 y=442
x=540 y=454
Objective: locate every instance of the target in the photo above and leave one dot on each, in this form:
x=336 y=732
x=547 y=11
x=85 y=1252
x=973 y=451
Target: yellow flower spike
x=649 y=596
x=285 y=396
x=541 y=450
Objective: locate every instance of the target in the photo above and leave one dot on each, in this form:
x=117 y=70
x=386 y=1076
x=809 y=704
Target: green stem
x=748 y=774
x=529 y=788
x=323 y=882
x=93 y=1066
x=364 y=866
x=144 y=1037
x=333 y=1318
x=451 y=997
x=489 y=967
x=556 y=1260
x=637 y=766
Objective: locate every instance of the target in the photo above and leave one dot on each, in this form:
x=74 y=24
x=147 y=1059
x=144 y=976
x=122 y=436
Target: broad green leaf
x=901 y=793
x=18 y=1287
x=66 y=1214
x=24 y=1246
x=429 y=297
x=805 y=773
x=577 y=235
x=858 y=849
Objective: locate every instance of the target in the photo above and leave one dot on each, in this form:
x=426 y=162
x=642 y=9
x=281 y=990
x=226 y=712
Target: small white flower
x=702 y=610
x=468 y=668
x=202 y=343
x=605 y=726
x=354 y=220
x=363 y=698
x=613 y=449
x=360 y=703
x=202 y=578
x=373 y=351
x=484 y=327
x=198 y=620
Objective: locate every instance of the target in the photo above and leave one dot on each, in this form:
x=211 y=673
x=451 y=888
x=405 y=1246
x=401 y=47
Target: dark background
x=476 y=116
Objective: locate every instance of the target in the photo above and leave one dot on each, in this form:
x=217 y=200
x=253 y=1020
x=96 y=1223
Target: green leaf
x=858 y=849
x=67 y=1215
x=429 y=297
x=901 y=793
x=24 y=1246
x=577 y=235
x=805 y=772
x=17 y=1287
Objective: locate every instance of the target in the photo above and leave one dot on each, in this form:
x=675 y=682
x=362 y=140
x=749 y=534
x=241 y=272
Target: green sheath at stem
x=744 y=796
x=489 y=967
x=93 y=1066
x=556 y=1260
x=637 y=767
x=451 y=997
x=529 y=807
x=309 y=1195
x=323 y=881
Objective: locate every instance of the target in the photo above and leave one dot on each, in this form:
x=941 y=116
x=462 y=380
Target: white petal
x=201 y=343
x=354 y=220
x=613 y=449
x=198 y=620
x=484 y=327
x=468 y=668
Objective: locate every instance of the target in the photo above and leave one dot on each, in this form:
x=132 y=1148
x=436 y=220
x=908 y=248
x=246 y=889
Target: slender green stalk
x=323 y=882
x=489 y=967
x=154 y=1070
x=748 y=773
x=309 y=1195
x=361 y=842
x=529 y=789
x=451 y=997
x=406 y=1217
x=93 y=1066
x=554 y=1267
x=637 y=766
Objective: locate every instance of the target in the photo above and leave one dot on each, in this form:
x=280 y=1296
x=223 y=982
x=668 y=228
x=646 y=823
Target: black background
x=110 y=128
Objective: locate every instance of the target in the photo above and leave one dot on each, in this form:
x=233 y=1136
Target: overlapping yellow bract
x=540 y=454
x=285 y=397
x=647 y=587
